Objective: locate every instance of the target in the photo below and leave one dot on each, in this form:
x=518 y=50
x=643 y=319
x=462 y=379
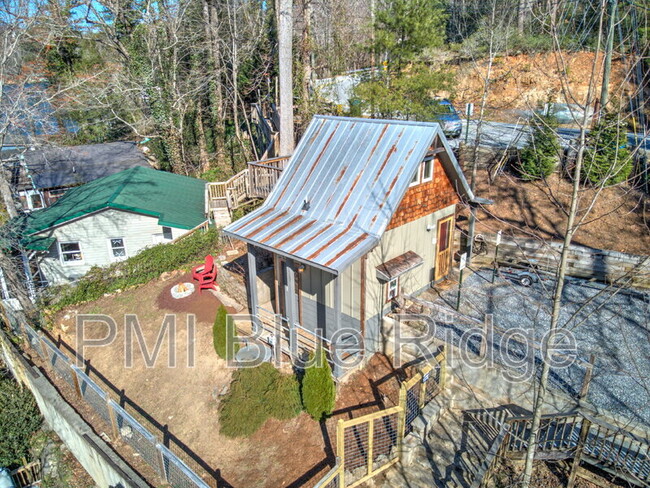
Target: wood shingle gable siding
x=425 y=198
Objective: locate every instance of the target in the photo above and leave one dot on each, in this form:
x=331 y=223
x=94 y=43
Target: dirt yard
x=186 y=399
x=617 y=221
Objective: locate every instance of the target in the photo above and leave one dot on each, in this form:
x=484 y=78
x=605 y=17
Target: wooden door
x=443 y=247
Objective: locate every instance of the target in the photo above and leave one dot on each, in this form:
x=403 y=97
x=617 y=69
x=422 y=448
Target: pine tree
x=318 y=388
x=607 y=160
x=541 y=154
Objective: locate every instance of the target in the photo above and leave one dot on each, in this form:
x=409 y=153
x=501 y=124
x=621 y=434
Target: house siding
x=412 y=236
x=425 y=198
x=93 y=232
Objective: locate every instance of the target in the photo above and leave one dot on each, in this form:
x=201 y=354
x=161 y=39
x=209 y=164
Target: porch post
x=290 y=293
x=337 y=324
x=252 y=281
x=289 y=301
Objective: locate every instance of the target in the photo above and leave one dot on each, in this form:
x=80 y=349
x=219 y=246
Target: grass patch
x=257 y=394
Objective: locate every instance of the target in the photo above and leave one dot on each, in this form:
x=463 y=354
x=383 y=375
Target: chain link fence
x=170 y=468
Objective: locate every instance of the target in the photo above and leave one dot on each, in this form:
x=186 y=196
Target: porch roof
x=398 y=266
x=340 y=189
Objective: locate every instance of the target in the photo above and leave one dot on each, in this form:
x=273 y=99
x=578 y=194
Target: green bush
x=223 y=332
x=257 y=394
x=541 y=154
x=149 y=264
x=607 y=160
x=19 y=419
x=318 y=388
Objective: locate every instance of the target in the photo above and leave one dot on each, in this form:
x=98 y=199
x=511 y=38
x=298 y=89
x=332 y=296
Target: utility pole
x=609 y=47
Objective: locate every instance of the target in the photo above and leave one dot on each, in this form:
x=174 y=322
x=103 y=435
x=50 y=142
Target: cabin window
x=71 y=252
x=118 y=248
x=416 y=178
x=167 y=233
x=392 y=289
x=427 y=170
x=424 y=173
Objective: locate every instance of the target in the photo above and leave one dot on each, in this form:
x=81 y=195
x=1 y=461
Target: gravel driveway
x=612 y=324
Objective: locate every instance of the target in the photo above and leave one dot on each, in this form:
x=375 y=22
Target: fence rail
x=573 y=435
x=583 y=262
x=124 y=426
x=368 y=445
x=256 y=181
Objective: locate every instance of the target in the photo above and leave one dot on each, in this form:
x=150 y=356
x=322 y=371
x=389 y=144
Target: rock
x=126 y=431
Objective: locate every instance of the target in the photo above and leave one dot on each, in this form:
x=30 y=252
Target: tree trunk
x=285 y=34
x=571 y=228
x=306 y=57
x=216 y=97
x=203 y=149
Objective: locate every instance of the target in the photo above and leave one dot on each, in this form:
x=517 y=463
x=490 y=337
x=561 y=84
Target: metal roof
x=176 y=200
x=340 y=189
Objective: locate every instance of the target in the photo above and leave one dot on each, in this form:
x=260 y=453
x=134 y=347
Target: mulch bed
x=204 y=305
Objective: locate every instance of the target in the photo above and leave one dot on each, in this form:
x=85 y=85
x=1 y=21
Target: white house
x=111 y=219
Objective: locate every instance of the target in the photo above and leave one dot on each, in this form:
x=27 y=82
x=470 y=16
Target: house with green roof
x=110 y=219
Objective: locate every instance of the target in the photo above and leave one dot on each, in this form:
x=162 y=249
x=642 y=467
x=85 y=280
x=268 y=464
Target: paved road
x=501 y=135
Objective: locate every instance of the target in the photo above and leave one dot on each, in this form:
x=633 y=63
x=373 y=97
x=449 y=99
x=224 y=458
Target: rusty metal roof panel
x=339 y=190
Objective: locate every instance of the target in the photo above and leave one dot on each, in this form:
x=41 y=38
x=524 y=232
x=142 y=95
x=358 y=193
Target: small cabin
x=362 y=214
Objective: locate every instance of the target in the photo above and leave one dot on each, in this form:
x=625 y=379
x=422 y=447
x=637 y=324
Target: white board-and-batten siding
x=93 y=232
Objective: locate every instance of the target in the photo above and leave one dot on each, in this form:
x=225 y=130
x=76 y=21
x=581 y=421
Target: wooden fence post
x=423 y=386
x=401 y=419
x=587 y=379
x=161 y=465
x=371 y=435
x=340 y=450
x=442 y=360
x=75 y=381
x=111 y=415
x=584 y=431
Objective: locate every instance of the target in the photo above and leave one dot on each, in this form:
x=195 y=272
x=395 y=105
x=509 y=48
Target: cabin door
x=443 y=247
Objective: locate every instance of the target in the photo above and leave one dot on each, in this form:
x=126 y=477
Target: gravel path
x=614 y=325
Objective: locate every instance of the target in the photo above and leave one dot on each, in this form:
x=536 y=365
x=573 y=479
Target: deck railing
x=256 y=181
x=608 y=447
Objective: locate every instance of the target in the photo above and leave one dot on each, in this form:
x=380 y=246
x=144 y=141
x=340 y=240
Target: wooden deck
x=255 y=182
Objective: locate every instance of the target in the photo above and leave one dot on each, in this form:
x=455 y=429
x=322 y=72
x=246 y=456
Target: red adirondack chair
x=206 y=274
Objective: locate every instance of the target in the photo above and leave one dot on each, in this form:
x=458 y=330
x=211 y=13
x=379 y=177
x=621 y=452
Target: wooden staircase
x=611 y=448
x=255 y=182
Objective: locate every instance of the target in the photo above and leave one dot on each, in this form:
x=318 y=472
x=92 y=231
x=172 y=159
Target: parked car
x=445 y=114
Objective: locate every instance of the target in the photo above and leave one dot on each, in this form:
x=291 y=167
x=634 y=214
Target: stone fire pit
x=182 y=290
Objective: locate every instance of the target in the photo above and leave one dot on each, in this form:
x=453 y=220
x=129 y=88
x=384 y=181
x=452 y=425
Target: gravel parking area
x=612 y=324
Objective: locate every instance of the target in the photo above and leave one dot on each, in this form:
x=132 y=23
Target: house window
x=167 y=233
x=392 y=289
x=36 y=201
x=424 y=172
x=416 y=178
x=71 y=252
x=427 y=170
x=118 y=248
x=32 y=200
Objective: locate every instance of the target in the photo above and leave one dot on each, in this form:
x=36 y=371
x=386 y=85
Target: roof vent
x=305 y=205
